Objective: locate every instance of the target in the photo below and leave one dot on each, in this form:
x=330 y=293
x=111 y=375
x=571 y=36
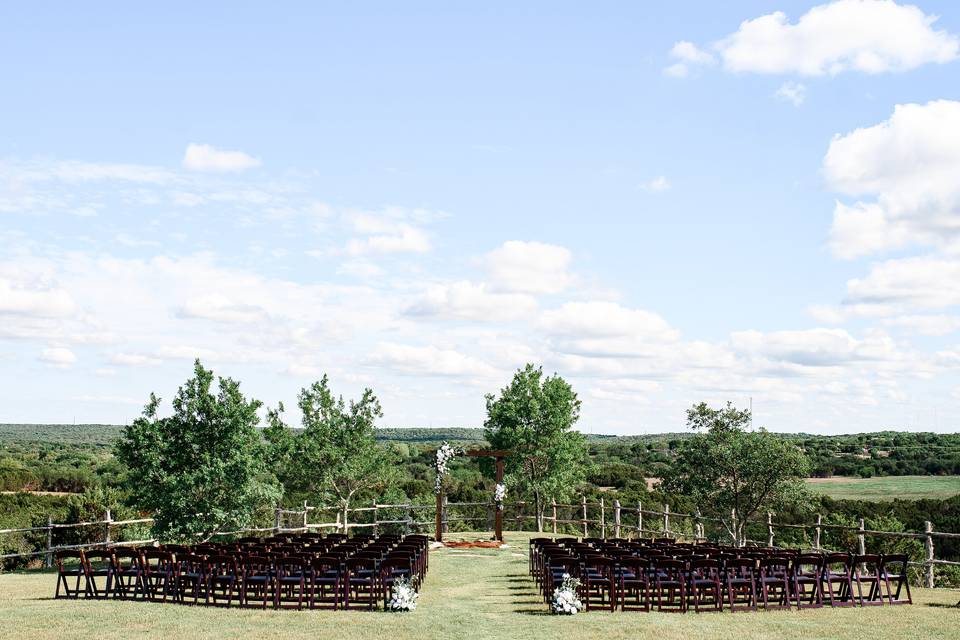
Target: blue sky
x=663 y=203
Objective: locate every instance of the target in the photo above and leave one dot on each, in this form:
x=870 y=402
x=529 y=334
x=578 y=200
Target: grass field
x=887 y=487
x=467 y=594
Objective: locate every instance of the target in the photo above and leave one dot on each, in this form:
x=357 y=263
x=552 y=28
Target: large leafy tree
x=335 y=456
x=200 y=470
x=533 y=418
x=733 y=471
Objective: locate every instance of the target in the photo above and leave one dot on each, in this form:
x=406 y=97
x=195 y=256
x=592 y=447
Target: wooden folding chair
x=71 y=566
x=893 y=570
x=838 y=579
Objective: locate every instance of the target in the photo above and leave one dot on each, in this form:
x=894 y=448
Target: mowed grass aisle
x=468 y=594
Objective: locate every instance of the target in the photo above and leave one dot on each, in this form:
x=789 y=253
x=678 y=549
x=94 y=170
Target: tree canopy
x=533 y=418
x=200 y=470
x=335 y=456
x=734 y=471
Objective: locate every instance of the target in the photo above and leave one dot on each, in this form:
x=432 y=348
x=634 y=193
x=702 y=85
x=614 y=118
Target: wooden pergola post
x=499 y=455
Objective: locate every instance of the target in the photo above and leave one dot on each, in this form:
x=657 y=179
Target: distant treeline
x=71 y=458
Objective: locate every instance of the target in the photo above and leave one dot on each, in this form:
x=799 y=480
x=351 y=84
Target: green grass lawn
x=887 y=487
x=467 y=594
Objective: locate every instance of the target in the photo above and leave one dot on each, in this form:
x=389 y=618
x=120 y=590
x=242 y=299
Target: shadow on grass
x=941 y=605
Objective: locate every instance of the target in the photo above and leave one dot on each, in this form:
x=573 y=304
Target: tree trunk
x=538 y=505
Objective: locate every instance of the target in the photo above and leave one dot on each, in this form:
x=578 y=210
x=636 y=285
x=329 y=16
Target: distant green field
x=887 y=487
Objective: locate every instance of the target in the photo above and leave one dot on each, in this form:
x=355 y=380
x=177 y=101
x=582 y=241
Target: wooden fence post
x=376 y=526
x=583 y=502
x=106 y=528
x=276 y=520
x=553 y=505
x=616 y=519
x=770 y=529
x=697 y=526
x=406 y=524
x=928 y=547
x=666 y=520
x=640 y=519
x=305 y=520
x=603 y=521
x=48 y=559
x=861 y=538
x=816 y=539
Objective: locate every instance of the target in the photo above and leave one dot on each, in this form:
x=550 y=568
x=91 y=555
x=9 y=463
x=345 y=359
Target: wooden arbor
x=499 y=455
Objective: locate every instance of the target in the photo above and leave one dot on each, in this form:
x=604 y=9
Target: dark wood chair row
x=672 y=577
x=281 y=573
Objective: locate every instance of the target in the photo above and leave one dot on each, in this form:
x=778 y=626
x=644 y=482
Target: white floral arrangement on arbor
x=565 y=600
x=499 y=493
x=444 y=454
x=403 y=595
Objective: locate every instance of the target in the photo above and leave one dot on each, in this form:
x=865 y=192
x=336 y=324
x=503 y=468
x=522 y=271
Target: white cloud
x=107 y=399
x=869 y=36
x=59 y=357
x=360 y=269
x=687 y=55
x=468 y=301
x=529 y=267
x=925 y=325
x=134 y=360
x=429 y=361
x=204 y=157
x=922 y=282
x=793 y=92
x=606 y=328
x=405 y=239
x=33 y=292
x=910 y=164
x=221 y=308
x=392 y=230
x=815 y=347
x=660 y=183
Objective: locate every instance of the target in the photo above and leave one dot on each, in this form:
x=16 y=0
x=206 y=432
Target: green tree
x=533 y=418
x=335 y=456
x=200 y=470
x=732 y=471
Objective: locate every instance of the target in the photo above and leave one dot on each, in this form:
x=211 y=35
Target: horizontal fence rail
x=586 y=517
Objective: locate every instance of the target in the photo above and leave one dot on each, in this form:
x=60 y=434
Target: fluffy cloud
x=606 y=328
x=529 y=267
x=429 y=360
x=204 y=157
x=810 y=348
x=869 y=36
x=390 y=231
x=922 y=282
x=925 y=325
x=687 y=55
x=32 y=292
x=468 y=301
x=59 y=357
x=793 y=92
x=910 y=164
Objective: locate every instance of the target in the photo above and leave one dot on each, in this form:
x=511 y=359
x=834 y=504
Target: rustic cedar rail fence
x=625 y=521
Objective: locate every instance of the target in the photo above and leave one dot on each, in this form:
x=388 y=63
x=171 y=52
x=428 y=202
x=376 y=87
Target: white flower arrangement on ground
x=444 y=454
x=499 y=493
x=403 y=595
x=565 y=600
